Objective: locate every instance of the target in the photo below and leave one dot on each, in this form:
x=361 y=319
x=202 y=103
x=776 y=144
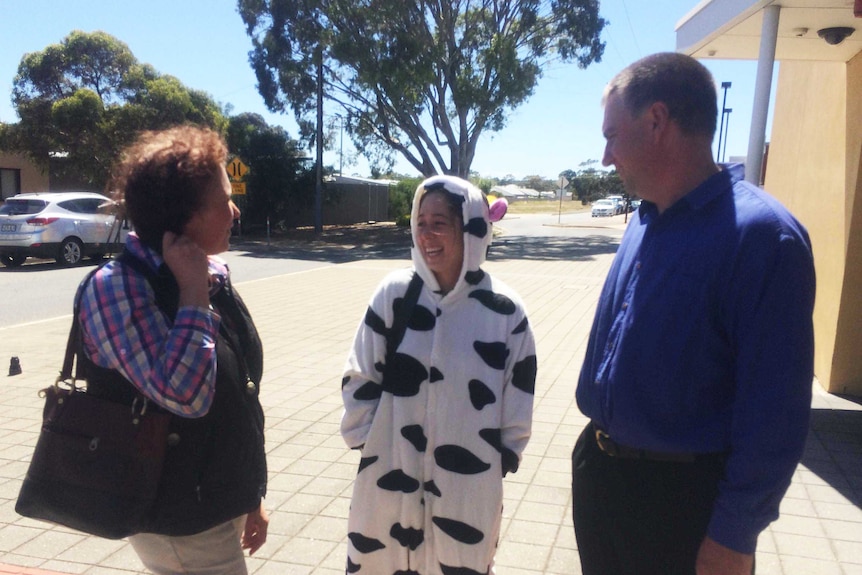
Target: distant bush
x=401 y=199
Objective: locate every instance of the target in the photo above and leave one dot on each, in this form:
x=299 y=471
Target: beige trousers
x=216 y=551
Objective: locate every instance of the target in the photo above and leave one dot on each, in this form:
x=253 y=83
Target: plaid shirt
x=123 y=329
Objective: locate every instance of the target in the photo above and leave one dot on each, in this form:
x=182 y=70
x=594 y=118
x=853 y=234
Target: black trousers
x=640 y=517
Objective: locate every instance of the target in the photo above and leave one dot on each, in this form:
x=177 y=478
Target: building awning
x=731 y=29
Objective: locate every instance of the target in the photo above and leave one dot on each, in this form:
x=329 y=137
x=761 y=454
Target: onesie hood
x=477 y=230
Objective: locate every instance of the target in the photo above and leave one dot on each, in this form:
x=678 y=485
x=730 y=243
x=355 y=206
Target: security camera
x=835 y=35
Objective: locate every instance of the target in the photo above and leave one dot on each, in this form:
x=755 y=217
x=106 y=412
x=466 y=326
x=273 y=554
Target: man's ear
x=659 y=119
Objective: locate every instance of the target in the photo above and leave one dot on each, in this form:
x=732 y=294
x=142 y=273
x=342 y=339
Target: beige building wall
x=32 y=178
x=847 y=362
x=813 y=169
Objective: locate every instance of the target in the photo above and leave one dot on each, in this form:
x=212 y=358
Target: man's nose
x=607 y=158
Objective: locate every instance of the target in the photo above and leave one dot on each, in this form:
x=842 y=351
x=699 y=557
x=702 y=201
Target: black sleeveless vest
x=215 y=467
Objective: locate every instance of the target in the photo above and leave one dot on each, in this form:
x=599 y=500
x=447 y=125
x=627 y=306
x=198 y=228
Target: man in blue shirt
x=698 y=372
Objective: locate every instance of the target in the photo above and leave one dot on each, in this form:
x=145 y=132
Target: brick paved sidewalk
x=307 y=321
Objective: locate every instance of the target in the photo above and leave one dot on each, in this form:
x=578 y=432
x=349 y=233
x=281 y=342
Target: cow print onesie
x=452 y=420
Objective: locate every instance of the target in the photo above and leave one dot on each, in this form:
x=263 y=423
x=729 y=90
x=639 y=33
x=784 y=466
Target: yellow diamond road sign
x=236 y=169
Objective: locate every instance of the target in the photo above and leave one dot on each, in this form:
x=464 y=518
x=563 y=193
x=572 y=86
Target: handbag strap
x=74 y=341
x=402 y=315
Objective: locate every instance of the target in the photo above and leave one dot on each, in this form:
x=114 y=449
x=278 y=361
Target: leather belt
x=614 y=449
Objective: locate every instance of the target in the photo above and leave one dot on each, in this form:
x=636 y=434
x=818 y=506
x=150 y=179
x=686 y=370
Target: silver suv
x=65 y=226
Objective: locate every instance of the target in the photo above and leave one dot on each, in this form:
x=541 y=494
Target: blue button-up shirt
x=703 y=342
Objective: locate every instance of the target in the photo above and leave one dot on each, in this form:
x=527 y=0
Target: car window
x=76 y=205
x=22 y=207
x=92 y=205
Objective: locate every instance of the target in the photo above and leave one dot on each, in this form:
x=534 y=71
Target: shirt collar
x=712 y=187
x=715 y=185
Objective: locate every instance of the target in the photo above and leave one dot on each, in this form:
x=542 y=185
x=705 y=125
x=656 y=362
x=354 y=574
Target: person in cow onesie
x=448 y=415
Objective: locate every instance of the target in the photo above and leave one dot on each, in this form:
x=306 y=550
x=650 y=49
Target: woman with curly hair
x=162 y=321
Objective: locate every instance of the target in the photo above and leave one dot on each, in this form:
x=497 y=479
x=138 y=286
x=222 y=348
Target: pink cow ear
x=498 y=209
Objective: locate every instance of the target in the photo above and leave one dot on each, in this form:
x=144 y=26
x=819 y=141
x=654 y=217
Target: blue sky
x=204 y=44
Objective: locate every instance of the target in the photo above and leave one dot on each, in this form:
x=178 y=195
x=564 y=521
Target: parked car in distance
x=619 y=203
x=65 y=226
x=604 y=207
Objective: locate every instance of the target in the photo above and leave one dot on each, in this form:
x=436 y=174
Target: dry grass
x=546 y=207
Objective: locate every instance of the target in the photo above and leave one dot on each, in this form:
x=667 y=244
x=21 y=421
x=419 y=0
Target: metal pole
x=726 y=133
x=725 y=86
x=318 y=183
x=341 y=148
x=762 y=87
x=560 y=213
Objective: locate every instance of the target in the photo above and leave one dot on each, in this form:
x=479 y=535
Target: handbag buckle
x=137 y=415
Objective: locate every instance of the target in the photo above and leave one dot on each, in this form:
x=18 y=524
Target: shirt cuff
x=733 y=533
x=203 y=319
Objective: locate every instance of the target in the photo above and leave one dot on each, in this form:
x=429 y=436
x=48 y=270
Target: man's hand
x=188 y=262
x=256 y=525
x=716 y=559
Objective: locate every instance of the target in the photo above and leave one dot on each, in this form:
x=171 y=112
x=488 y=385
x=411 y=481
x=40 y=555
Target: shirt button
x=173 y=439
x=625 y=305
x=250 y=388
x=638 y=266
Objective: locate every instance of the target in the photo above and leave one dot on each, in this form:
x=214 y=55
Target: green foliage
x=87 y=97
x=419 y=78
x=279 y=183
x=541 y=184
x=401 y=199
x=590 y=184
x=484 y=184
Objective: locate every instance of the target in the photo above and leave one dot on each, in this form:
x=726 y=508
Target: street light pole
x=725 y=86
x=726 y=132
x=318 y=179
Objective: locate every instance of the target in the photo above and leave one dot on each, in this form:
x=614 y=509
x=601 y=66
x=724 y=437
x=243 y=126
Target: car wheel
x=71 y=251
x=12 y=261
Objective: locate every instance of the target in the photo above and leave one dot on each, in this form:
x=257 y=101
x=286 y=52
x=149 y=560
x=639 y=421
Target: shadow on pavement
x=503 y=248
x=325 y=252
x=834 y=450
x=552 y=247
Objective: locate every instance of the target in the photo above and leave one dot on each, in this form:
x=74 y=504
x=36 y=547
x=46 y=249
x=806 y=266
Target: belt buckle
x=606 y=444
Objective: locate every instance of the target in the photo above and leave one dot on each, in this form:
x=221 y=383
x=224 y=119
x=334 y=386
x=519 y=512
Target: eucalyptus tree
x=280 y=182
x=86 y=97
x=419 y=78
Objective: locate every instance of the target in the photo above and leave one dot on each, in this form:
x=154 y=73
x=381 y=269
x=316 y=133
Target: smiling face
x=441 y=239
x=210 y=226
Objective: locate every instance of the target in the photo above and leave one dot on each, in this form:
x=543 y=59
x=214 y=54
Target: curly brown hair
x=162 y=177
